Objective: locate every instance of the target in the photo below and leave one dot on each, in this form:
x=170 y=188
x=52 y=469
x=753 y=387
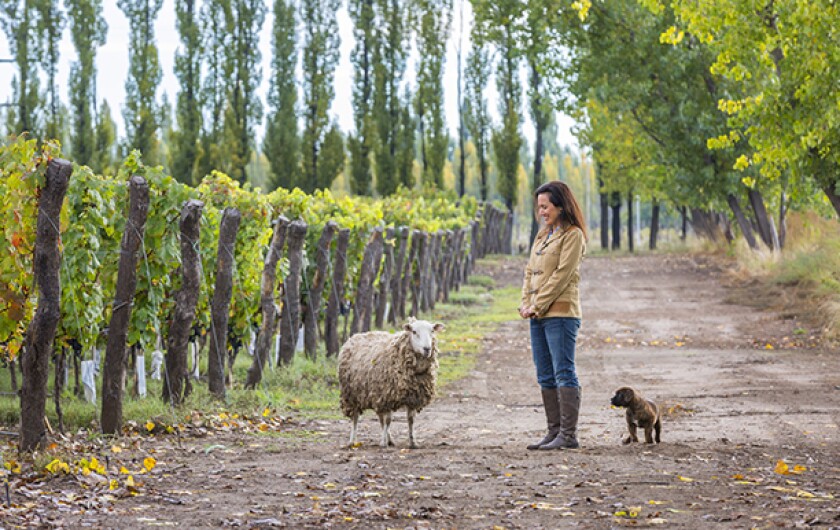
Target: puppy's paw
x=627 y=440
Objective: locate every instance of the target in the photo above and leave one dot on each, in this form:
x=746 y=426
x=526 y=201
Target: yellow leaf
x=263 y=427
x=116 y=449
x=113 y=484
x=782 y=468
x=768 y=346
x=129 y=482
x=124 y=471
x=685 y=479
x=85 y=471
x=150 y=426
x=54 y=466
x=93 y=464
x=223 y=416
x=799 y=469
x=149 y=463
x=656 y=502
x=266 y=412
x=802 y=494
x=738 y=476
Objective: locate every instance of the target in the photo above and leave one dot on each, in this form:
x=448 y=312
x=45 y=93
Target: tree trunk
x=766 y=229
x=290 y=319
x=364 y=292
x=832 y=191
x=336 y=298
x=743 y=223
x=268 y=306
x=783 y=217
x=616 y=220
x=654 y=225
x=13 y=376
x=113 y=376
x=684 y=223
x=630 y=242
x=316 y=290
x=176 y=382
x=605 y=220
x=220 y=307
x=385 y=278
x=397 y=291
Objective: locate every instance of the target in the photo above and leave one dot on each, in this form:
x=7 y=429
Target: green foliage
x=282 y=143
x=20 y=23
x=476 y=115
x=320 y=58
x=435 y=21
x=243 y=108
x=141 y=112
x=391 y=122
x=360 y=145
x=185 y=148
x=88 y=29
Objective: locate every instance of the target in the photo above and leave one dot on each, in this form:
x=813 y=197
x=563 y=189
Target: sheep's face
x=422 y=335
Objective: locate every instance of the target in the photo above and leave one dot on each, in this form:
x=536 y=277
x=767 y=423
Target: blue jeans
x=553 y=345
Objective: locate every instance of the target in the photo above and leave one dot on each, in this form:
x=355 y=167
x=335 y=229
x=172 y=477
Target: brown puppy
x=640 y=411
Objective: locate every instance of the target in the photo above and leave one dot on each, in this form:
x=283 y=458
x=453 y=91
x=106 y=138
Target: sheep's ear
x=411 y=320
x=407 y=327
x=438 y=327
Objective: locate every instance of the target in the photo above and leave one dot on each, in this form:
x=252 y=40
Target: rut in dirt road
x=749 y=439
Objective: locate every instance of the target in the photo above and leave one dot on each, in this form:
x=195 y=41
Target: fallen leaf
x=149 y=463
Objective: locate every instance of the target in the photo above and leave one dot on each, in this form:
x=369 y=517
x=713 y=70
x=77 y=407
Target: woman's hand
x=527 y=312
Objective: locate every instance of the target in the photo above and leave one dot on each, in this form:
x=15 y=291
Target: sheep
x=385 y=372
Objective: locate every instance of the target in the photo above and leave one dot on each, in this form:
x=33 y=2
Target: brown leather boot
x=551 y=404
x=569 y=408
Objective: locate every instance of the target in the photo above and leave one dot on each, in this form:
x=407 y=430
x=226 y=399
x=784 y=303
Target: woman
x=551 y=299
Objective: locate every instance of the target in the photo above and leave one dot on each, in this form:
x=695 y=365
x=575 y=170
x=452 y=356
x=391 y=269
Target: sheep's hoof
x=413 y=445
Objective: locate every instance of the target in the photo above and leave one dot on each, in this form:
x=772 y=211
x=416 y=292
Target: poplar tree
x=88 y=30
x=320 y=57
x=282 y=142
x=435 y=19
x=501 y=24
x=20 y=25
x=50 y=25
x=141 y=112
x=394 y=18
x=103 y=158
x=405 y=143
x=477 y=117
x=244 y=109
x=214 y=88
x=361 y=143
x=185 y=140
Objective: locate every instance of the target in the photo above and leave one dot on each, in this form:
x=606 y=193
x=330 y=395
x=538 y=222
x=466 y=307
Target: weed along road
x=750 y=433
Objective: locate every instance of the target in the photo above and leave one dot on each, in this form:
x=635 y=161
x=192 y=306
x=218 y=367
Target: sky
x=112 y=68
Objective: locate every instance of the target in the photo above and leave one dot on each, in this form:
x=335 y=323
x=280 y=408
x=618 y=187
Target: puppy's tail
x=657 y=427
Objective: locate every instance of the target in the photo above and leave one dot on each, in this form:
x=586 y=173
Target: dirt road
x=734 y=407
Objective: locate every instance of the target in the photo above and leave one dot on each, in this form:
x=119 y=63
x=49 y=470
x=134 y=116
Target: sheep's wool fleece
x=380 y=371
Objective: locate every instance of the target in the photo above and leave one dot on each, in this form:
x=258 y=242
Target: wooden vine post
x=220 y=306
x=113 y=380
x=268 y=306
x=363 y=307
x=176 y=382
x=40 y=335
x=316 y=290
x=385 y=278
x=336 y=298
x=415 y=268
x=398 y=286
x=290 y=318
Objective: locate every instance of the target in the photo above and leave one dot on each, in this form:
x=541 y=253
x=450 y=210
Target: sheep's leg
x=355 y=419
x=385 y=423
x=411 y=442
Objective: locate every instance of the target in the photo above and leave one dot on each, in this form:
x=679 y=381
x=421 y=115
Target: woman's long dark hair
x=561 y=196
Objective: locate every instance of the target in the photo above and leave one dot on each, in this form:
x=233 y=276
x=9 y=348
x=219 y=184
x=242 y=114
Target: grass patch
x=804 y=276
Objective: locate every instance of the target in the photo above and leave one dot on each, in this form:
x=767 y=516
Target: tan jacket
x=552 y=276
